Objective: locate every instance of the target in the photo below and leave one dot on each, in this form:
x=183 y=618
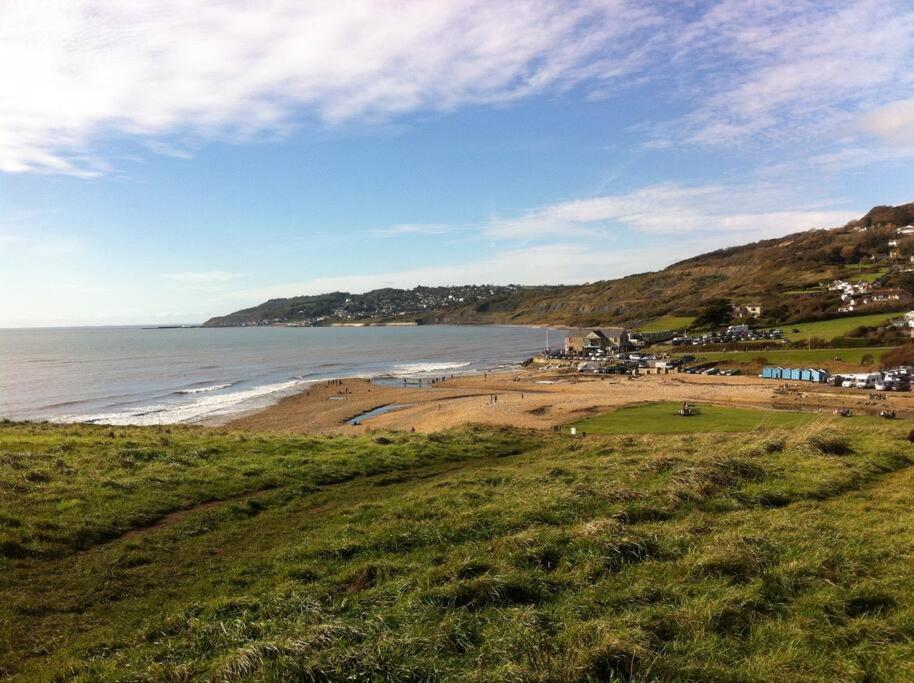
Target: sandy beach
x=536 y=399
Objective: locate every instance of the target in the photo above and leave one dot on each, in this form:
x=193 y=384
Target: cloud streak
x=788 y=70
x=670 y=209
x=567 y=263
x=172 y=73
x=208 y=277
x=80 y=72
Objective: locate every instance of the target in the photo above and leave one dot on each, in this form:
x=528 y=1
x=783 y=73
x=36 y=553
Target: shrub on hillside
x=900 y=355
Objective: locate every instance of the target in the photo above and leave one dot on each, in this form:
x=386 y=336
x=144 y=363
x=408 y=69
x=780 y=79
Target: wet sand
x=536 y=399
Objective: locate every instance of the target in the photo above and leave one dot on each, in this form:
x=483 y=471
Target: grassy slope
x=667 y=322
x=473 y=555
x=837 y=327
x=817 y=358
x=662 y=418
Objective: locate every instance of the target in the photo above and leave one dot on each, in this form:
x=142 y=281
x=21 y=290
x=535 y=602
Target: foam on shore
x=203 y=407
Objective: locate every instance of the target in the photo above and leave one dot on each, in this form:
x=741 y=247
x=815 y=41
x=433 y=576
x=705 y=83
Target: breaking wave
x=409 y=369
x=203 y=390
x=204 y=407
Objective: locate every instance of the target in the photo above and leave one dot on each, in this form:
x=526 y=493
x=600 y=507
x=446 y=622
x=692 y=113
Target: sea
x=147 y=376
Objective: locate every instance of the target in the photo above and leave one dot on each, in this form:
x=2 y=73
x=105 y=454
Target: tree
x=714 y=313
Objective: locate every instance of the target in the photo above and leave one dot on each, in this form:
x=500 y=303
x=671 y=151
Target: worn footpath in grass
x=662 y=418
x=475 y=555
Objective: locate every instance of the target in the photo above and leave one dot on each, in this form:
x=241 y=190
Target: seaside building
x=598 y=342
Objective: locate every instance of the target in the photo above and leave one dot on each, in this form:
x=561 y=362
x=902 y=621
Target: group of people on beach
x=432 y=381
x=345 y=391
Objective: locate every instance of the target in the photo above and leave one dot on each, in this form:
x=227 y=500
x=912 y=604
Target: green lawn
x=829 y=329
x=667 y=322
x=813 y=358
x=662 y=418
x=869 y=277
x=810 y=290
x=472 y=555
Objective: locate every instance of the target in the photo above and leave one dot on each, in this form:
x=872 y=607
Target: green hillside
x=834 y=359
x=783 y=275
x=471 y=555
x=837 y=327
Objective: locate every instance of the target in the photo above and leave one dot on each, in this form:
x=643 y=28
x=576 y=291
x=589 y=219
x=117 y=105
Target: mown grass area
x=870 y=276
x=663 y=418
x=667 y=322
x=837 y=327
x=474 y=555
x=813 y=358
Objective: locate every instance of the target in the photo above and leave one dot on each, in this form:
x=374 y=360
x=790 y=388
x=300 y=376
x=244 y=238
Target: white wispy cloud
x=676 y=223
x=893 y=122
x=409 y=229
x=171 y=73
x=78 y=72
x=567 y=263
x=207 y=277
x=789 y=70
x=672 y=209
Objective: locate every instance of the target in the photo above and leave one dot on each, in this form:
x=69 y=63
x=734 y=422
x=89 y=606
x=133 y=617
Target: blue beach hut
x=818 y=375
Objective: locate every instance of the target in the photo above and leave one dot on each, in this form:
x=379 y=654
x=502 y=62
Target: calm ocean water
x=130 y=375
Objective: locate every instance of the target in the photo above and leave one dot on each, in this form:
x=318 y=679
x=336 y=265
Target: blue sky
x=167 y=161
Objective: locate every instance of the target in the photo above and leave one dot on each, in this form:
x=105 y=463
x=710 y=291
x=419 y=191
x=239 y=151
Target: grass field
x=837 y=327
x=662 y=418
x=810 y=290
x=667 y=322
x=814 y=358
x=869 y=277
x=473 y=555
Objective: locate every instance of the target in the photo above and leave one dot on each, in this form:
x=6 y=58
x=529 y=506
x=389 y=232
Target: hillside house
x=876 y=296
x=746 y=310
x=879 y=295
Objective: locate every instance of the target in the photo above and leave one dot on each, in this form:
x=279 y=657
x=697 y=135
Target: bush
x=900 y=355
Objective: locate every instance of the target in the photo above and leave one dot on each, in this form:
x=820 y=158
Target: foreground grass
x=477 y=554
x=662 y=418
